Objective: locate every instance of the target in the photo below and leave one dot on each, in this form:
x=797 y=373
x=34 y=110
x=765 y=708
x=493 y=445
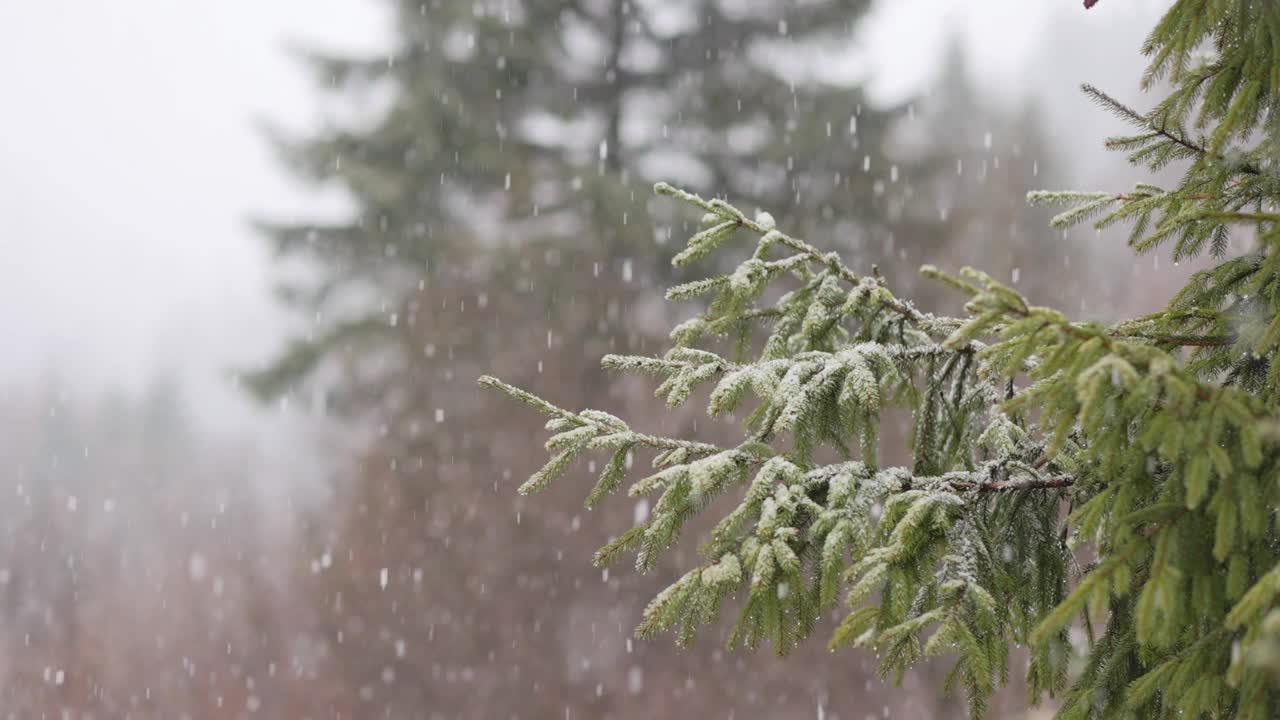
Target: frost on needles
x=1122 y=480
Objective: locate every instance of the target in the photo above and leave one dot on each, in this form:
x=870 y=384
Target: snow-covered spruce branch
x=838 y=351
x=974 y=523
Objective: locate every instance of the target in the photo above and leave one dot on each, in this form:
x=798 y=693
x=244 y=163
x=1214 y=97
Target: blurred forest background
x=283 y=496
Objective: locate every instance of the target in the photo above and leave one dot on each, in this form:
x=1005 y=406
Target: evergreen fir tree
x=1105 y=493
x=526 y=128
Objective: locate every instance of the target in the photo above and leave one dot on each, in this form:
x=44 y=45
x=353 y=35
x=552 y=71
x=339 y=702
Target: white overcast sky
x=129 y=159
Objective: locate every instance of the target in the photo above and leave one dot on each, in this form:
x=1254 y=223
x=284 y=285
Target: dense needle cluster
x=1105 y=496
